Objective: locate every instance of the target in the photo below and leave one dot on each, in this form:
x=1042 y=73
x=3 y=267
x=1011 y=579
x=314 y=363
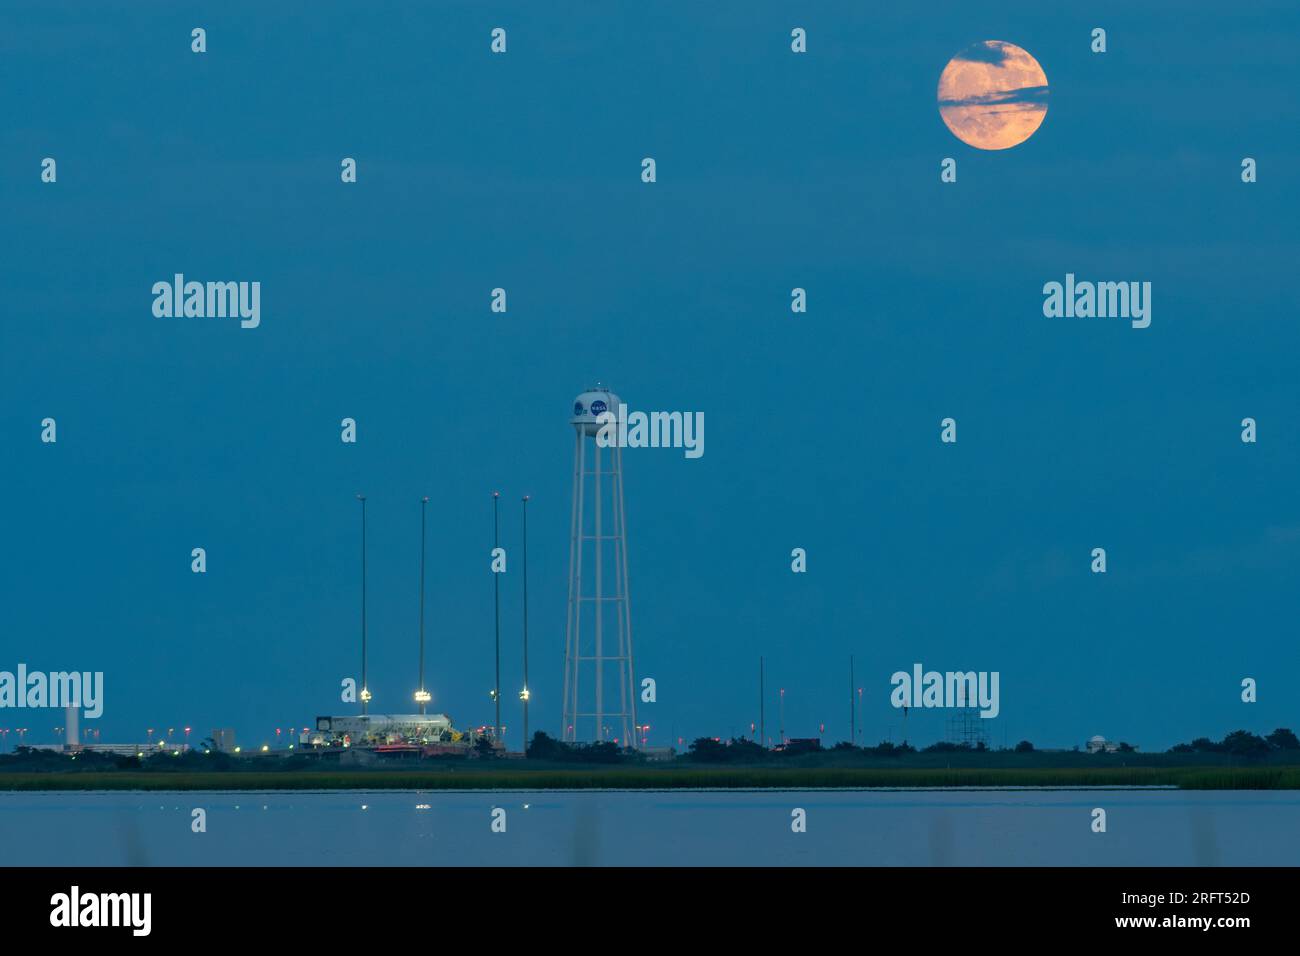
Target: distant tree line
x=1241 y=743
x=545 y=747
x=744 y=750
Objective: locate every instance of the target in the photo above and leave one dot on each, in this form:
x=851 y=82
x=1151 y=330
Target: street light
x=422 y=696
x=496 y=604
x=782 y=716
x=365 y=693
x=524 y=695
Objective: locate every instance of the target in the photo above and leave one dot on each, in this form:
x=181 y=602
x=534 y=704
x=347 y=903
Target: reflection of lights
x=423 y=806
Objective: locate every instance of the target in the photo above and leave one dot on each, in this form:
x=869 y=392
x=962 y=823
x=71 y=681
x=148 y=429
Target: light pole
x=853 y=706
x=365 y=687
x=422 y=696
x=496 y=597
x=524 y=694
x=859 y=707
x=782 y=716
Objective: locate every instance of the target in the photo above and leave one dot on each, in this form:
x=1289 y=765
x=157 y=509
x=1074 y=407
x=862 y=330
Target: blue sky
x=774 y=171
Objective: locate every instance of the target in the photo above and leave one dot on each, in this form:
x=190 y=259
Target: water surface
x=652 y=828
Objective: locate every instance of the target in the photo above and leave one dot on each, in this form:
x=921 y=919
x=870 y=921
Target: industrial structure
x=420 y=735
x=598 y=629
x=965 y=726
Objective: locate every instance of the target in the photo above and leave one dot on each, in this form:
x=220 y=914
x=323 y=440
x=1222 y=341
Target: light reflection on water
x=653 y=828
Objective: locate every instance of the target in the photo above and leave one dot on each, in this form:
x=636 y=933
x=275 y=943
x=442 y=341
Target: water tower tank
x=590 y=405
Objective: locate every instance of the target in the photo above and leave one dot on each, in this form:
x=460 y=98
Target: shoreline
x=1116 y=788
x=740 y=779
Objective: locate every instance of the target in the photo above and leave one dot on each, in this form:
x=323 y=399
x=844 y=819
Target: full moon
x=993 y=95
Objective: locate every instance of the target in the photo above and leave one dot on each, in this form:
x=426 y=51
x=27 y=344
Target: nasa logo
x=598 y=407
x=577 y=408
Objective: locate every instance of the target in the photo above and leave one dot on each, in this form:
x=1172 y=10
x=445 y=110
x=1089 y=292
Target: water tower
x=599 y=687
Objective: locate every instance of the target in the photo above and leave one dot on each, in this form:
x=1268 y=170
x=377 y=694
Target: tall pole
x=762 y=718
x=853 y=707
x=496 y=595
x=782 y=716
x=365 y=688
x=526 y=693
x=422 y=695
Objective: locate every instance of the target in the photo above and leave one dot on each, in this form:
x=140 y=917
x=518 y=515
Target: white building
x=1100 y=744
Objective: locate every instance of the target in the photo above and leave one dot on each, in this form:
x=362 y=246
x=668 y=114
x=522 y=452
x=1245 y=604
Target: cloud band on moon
x=993 y=95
